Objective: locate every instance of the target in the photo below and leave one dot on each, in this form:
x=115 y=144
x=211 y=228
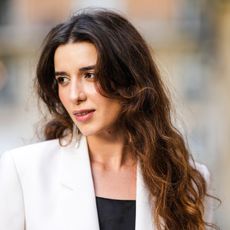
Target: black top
x=116 y=214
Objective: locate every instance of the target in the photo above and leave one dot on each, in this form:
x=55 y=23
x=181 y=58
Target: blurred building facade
x=190 y=42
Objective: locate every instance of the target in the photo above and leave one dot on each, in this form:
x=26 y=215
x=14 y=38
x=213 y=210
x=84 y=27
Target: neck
x=109 y=151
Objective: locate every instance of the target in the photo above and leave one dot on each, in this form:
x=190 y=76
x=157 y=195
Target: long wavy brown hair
x=126 y=71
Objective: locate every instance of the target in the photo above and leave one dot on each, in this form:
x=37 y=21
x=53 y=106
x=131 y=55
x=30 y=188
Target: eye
x=89 y=75
x=62 y=80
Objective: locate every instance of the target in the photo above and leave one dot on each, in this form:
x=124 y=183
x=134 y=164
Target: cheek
x=112 y=110
x=62 y=98
x=91 y=91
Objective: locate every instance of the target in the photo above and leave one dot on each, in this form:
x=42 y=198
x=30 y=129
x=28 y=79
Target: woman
x=112 y=159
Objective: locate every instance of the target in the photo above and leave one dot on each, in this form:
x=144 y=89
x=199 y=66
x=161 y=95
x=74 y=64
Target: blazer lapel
x=144 y=207
x=77 y=196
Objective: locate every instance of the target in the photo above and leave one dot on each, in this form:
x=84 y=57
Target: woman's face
x=75 y=73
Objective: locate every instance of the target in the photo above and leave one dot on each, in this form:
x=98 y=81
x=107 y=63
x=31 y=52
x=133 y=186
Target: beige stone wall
x=222 y=82
x=40 y=11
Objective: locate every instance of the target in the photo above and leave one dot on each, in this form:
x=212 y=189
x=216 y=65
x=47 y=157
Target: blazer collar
x=78 y=202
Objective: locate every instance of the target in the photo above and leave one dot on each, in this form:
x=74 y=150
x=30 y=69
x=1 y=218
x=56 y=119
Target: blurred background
x=190 y=41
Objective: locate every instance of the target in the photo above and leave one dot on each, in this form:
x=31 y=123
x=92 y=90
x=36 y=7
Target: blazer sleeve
x=208 y=203
x=11 y=197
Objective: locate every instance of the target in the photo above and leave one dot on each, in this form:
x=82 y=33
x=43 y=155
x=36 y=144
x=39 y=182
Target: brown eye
x=62 y=80
x=89 y=75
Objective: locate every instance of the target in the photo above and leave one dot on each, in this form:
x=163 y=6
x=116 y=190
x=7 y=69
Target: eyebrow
x=59 y=74
x=82 y=69
x=86 y=68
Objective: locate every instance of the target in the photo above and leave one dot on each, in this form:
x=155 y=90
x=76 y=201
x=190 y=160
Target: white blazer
x=48 y=187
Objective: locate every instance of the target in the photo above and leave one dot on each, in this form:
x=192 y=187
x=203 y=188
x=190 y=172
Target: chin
x=88 y=132
x=94 y=132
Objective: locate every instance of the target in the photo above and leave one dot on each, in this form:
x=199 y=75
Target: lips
x=83 y=115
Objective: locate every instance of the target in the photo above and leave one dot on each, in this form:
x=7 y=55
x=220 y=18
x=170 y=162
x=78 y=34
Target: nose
x=76 y=92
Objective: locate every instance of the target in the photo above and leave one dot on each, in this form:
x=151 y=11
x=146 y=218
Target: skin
x=110 y=161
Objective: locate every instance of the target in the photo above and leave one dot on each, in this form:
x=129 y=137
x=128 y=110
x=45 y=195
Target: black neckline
x=111 y=199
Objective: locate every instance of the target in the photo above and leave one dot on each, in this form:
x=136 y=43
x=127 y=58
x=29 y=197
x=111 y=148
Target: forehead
x=77 y=55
